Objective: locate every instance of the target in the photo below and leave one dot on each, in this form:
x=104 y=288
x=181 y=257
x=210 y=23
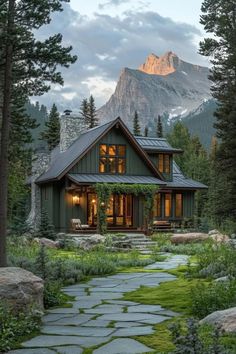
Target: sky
x=108 y=35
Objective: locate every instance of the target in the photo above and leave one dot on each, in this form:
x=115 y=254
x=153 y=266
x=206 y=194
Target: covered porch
x=123 y=209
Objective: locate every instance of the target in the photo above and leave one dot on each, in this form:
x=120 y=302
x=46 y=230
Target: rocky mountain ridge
x=164 y=85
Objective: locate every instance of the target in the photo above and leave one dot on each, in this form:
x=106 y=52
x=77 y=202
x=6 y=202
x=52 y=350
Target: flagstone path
x=100 y=318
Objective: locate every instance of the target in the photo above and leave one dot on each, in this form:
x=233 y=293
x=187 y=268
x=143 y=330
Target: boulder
x=188 y=237
x=222 y=279
x=219 y=238
x=97 y=238
x=213 y=232
x=21 y=289
x=232 y=243
x=47 y=242
x=225 y=320
x=91 y=241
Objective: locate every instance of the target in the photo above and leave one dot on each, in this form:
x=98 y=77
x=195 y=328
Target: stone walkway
x=100 y=318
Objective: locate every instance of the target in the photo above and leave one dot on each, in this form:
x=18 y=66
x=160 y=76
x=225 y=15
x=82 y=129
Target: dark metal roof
x=64 y=159
x=62 y=162
x=156 y=144
x=180 y=181
x=102 y=178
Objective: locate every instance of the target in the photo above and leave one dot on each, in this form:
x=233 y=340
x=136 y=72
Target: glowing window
x=168 y=205
x=178 y=205
x=112 y=159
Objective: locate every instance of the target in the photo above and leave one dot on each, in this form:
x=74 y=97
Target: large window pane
x=121 y=166
x=112 y=150
x=111 y=167
x=103 y=149
x=102 y=165
x=121 y=150
x=161 y=162
x=178 y=205
x=167 y=163
x=168 y=205
x=157 y=206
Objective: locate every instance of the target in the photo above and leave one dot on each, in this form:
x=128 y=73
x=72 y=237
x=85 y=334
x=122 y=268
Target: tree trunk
x=6 y=118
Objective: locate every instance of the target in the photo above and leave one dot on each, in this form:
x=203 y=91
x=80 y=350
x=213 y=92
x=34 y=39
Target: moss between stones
x=172 y=295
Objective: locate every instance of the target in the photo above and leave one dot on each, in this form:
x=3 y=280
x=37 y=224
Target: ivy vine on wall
x=105 y=190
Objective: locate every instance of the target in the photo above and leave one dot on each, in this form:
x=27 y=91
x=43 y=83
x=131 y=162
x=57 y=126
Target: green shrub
x=209 y=298
x=196 y=339
x=15 y=327
x=215 y=261
x=52 y=295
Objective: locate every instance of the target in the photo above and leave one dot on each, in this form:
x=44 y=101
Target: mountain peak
x=163 y=65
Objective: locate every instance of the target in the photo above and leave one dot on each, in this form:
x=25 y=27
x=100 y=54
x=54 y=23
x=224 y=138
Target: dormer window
x=164 y=163
x=112 y=158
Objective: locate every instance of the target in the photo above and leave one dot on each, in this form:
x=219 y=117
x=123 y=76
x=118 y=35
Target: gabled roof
x=156 y=145
x=180 y=181
x=63 y=162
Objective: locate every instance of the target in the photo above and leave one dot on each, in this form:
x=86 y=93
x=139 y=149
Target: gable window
x=112 y=158
x=178 y=205
x=164 y=163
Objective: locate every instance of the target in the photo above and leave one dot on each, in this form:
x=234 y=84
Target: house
x=64 y=182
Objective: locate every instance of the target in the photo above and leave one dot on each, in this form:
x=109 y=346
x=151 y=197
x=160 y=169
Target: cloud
x=109 y=3
x=105 y=44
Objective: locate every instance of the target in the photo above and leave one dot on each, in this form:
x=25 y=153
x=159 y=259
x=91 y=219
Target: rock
x=223 y=279
x=21 y=289
x=219 y=238
x=233 y=236
x=213 y=232
x=225 y=320
x=188 y=238
x=232 y=243
x=47 y=242
x=163 y=65
x=97 y=238
x=91 y=242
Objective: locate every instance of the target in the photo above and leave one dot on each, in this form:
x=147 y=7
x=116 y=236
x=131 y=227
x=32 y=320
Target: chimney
x=71 y=128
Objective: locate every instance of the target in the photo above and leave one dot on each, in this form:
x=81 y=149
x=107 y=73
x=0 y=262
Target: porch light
x=93 y=201
x=102 y=204
x=76 y=200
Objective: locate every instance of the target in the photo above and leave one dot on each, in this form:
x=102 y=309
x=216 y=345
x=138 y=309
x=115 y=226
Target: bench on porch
x=161 y=225
x=77 y=225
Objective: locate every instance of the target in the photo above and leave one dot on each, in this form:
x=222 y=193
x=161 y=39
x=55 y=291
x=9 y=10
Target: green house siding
x=188 y=204
x=47 y=201
x=134 y=164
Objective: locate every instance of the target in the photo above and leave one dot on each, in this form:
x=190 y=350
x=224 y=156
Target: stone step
x=147 y=243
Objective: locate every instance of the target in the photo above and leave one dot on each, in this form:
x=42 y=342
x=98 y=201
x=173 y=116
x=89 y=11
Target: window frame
x=170 y=211
x=181 y=215
x=118 y=158
x=164 y=163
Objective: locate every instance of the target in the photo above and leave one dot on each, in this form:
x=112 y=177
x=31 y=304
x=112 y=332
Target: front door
x=119 y=210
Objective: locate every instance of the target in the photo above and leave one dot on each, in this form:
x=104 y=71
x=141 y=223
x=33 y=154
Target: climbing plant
x=105 y=190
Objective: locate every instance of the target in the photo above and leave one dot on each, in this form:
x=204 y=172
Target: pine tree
x=194 y=163
x=159 y=127
x=136 y=125
x=219 y=19
x=52 y=132
x=84 y=111
x=92 y=120
x=27 y=66
x=46 y=229
x=146 y=131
